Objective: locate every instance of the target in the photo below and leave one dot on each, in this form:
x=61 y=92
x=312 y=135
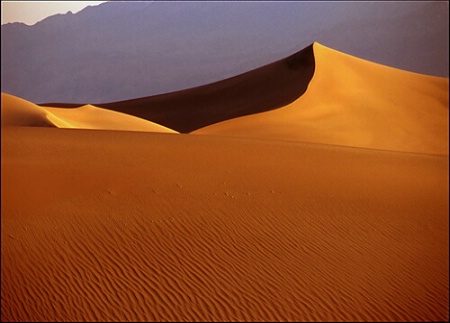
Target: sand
x=353 y=102
x=19 y=112
x=135 y=226
x=263 y=89
x=106 y=225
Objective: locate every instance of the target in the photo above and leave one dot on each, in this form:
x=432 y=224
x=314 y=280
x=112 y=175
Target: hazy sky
x=30 y=12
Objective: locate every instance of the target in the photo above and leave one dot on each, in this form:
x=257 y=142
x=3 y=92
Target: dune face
x=263 y=89
x=19 y=112
x=353 y=102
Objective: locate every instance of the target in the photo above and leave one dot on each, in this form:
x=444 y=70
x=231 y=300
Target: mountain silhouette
x=124 y=50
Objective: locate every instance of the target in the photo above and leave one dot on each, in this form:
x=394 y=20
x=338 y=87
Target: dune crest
x=19 y=112
x=354 y=102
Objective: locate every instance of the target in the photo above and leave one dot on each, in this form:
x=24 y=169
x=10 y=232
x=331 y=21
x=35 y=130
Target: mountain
x=124 y=50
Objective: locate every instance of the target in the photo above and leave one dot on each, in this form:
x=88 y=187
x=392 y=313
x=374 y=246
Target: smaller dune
x=92 y=117
x=19 y=112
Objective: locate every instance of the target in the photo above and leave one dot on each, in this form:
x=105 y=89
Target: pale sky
x=30 y=12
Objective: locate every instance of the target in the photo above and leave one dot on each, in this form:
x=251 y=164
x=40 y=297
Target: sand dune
x=19 y=112
x=316 y=95
x=353 y=102
x=91 y=117
x=120 y=226
x=279 y=213
x=266 y=88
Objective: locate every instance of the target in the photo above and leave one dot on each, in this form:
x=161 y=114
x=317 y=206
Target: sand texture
x=331 y=206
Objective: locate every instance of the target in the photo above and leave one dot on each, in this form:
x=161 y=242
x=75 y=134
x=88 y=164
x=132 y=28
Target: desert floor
x=114 y=225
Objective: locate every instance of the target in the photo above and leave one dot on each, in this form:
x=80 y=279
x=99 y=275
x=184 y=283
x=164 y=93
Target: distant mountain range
x=124 y=50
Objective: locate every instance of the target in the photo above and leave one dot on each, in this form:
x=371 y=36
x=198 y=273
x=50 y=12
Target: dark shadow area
x=266 y=88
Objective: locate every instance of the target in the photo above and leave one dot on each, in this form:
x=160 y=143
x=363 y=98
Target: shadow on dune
x=266 y=88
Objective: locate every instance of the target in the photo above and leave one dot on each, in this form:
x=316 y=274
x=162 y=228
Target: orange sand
x=19 y=112
x=353 y=102
x=136 y=225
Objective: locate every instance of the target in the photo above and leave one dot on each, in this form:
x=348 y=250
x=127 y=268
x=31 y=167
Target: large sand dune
x=104 y=225
x=316 y=95
x=279 y=215
x=19 y=112
x=353 y=102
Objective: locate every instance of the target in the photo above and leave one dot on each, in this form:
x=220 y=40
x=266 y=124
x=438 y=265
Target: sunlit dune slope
x=91 y=117
x=354 y=102
x=138 y=226
x=19 y=112
x=266 y=88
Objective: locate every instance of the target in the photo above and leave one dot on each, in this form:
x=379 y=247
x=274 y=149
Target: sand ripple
x=125 y=228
